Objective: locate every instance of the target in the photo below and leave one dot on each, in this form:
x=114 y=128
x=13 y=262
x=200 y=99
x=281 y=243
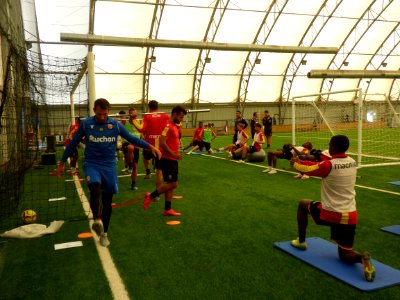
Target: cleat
x=156 y=199
x=130 y=170
x=98 y=227
x=266 y=171
x=147 y=176
x=104 y=240
x=240 y=161
x=304 y=177
x=124 y=170
x=171 y=212
x=369 y=269
x=147 y=201
x=273 y=171
x=302 y=246
x=298 y=176
x=134 y=187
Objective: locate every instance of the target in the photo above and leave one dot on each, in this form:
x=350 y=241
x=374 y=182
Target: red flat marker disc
x=177 y=197
x=85 y=235
x=173 y=222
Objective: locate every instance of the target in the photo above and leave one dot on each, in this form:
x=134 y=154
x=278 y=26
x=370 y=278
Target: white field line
x=117 y=286
x=293 y=172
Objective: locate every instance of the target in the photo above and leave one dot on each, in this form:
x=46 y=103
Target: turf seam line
x=115 y=282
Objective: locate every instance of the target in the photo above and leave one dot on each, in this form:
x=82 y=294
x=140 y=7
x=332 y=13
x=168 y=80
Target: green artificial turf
x=224 y=247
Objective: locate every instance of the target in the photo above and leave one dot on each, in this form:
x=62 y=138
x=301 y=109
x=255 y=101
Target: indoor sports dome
x=316 y=68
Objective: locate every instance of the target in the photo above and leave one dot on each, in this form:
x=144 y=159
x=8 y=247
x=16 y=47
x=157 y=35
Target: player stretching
x=169 y=145
x=100 y=165
x=337 y=208
x=153 y=124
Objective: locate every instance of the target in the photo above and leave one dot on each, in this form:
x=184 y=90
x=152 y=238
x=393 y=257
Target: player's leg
x=135 y=161
x=147 y=156
x=129 y=157
x=343 y=235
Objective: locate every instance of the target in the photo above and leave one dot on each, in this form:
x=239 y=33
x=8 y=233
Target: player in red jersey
x=197 y=140
x=169 y=146
x=152 y=125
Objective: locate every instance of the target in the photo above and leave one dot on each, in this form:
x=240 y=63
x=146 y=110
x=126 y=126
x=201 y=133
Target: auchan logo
x=102 y=139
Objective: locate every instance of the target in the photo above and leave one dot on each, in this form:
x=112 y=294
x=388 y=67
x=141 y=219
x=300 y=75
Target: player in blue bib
x=100 y=162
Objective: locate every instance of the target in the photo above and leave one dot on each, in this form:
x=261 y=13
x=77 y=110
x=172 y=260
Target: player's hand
x=178 y=156
x=60 y=170
x=155 y=152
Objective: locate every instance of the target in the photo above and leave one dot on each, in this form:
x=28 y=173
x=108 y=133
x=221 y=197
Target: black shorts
x=147 y=154
x=206 y=145
x=252 y=149
x=196 y=143
x=341 y=234
x=169 y=169
x=268 y=132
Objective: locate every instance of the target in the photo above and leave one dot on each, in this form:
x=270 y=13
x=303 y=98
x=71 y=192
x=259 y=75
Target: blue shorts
x=105 y=175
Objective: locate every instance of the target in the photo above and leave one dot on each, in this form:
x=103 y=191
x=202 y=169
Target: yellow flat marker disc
x=173 y=222
x=177 y=197
x=85 y=235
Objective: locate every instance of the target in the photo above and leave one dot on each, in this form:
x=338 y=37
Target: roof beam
x=91 y=39
x=353 y=74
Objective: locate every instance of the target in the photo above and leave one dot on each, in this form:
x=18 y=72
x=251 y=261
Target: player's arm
x=138 y=125
x=319 y=169
x=261 y=140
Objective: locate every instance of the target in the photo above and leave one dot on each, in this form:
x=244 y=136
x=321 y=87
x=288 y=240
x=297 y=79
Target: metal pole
x=359 y=128
x=92 y=39
x=91 y=82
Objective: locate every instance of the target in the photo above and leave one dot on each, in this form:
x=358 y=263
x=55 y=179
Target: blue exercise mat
x=395 y=182
x=323 y=255
x=392 y=229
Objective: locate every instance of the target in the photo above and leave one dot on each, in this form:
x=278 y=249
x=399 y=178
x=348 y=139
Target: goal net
x=371 y=123
x=35 y=116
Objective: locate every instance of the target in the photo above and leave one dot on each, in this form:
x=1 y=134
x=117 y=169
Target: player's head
x=238 y=114
x=206 y=125
x=77 y=120
x=132 y=113
x=200 y=124
x=153 y=105
x=101 y=109
x=258 y=126
x=307 y=145
x=255 y=114
x=338 y=144
x=266 y=112
x=178 y=113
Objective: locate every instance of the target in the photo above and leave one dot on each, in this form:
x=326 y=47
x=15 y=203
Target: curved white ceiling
x=367 y=34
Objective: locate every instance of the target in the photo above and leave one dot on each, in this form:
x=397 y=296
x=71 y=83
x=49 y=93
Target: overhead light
x=207 y=60
x=257 y=61
x=303 y=62
x=153 y=59
x=384 y=64
x=345 y=63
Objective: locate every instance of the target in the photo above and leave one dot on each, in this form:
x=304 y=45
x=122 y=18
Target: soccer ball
x=29 y=216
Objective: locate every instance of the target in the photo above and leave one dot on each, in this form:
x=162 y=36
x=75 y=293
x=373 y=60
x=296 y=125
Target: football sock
x=167 y=205
x=107 y=209
x=133 y=183
x=154 y=194
x=147 y=171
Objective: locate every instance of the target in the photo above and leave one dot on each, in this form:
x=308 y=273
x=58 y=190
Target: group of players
x=336 y=208
x=161 y=142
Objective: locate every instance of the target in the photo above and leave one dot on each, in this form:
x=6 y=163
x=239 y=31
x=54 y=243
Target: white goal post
x=370 y=123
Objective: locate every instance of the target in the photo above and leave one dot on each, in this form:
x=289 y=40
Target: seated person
x=287 y=152
x=241 y=141
x=258 y=140
x=197 y=139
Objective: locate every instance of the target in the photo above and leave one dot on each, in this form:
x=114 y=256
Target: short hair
x=258 y=125
x=307 y=145
x=340 y=143
x=238 y=111
x=178 y=109
x=153 y=105
x=102 y=103
x=254 y=114
x=266 y=111
x=200 y=123
x=131 y=108
x=122 y=112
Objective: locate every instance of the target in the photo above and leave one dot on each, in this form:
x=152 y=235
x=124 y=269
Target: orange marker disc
x=85 y=235
x=173 y=222
x=177 y=197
